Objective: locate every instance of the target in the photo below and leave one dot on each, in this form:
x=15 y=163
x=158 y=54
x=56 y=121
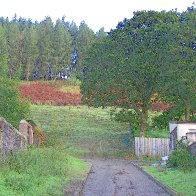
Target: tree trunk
x=28 y=72
x=144 y=123
x=187 y=109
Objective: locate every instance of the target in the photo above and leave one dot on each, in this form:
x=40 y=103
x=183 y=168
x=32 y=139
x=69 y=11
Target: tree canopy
x=134 y=64
x=42 y=50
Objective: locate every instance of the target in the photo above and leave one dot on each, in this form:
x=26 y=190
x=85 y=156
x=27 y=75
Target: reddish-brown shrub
x=160 y=106
x=52 y=93
x=44 y=93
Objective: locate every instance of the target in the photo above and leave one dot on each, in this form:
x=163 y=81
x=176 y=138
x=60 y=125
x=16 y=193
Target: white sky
x=96 y=13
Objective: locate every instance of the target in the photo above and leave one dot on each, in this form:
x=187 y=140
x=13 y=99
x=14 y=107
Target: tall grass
x=41 y=171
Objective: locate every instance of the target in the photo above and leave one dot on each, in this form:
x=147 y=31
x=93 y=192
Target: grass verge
x=183 y=183
x=40 y=171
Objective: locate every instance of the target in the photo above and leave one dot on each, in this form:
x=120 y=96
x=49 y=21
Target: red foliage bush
x=160 y=106
x=48 y=93
x=43 y=93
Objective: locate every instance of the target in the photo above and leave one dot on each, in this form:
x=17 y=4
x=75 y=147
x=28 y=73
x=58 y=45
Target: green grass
x=183 y=183
x=154 y=133
x=83 y=131
x=164 y=133
x=40 y=171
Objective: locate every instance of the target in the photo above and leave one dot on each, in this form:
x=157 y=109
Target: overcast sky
x=96 y=13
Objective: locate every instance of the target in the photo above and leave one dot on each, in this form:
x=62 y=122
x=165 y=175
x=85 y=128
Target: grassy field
x=40 y=171
x=87 y=132
x=183 y=183
x=83 y=131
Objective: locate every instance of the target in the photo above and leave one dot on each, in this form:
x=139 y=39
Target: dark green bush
x=12 y=108
x=181 y=159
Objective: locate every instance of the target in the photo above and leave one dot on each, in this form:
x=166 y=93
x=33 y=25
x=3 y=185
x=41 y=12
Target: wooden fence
x=151 y=146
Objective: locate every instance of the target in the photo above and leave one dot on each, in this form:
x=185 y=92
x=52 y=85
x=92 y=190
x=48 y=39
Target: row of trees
x=41 y=50
x=146 y=59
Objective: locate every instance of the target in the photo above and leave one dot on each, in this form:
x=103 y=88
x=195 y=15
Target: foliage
x=84 y=40
x=3 y=52
x=62 y=46
x=129 y=66
x=125 y=116
x=182 y=160
x=181 y=88
x=45 y=93
x=43 y=49
x=12 y=108
x=41 y=171
x=174 y=113
x=183 y=183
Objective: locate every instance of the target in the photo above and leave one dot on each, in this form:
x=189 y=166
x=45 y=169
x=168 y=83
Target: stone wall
x=13 y=140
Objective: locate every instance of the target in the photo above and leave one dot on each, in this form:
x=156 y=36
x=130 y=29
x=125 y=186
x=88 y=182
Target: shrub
x=12 y=108
x=44 y=93
x=181 y=159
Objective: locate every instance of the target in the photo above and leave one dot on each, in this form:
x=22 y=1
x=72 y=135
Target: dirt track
x=119 y=178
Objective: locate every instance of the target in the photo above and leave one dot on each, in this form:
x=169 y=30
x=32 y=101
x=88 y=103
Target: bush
x=12 y=108
x=181 y=159
x=45 y=93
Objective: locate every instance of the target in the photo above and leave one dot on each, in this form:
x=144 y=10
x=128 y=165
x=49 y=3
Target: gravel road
x=119 y=178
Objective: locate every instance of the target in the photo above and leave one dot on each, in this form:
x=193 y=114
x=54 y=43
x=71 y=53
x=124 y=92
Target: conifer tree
x=62 y=46
x=85 y=39
x=45 y=45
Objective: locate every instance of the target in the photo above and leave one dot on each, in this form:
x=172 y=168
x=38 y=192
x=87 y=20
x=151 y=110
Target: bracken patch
x=44 y=93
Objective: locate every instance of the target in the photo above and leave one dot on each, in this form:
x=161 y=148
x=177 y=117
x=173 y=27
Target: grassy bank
x=41 y=171
x=84 y=131
x=183 y=183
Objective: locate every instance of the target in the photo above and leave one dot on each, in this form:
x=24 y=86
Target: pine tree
x=45 y=45
x=31 y=51
x=101 y=34
x=15 y=48
x=3 y=52
x=62 y=45
x=85 y=39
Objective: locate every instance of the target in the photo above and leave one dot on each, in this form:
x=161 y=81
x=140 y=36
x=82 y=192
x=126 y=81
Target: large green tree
x=132 y=64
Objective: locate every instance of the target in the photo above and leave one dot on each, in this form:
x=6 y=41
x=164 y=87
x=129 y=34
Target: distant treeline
x=37 y=50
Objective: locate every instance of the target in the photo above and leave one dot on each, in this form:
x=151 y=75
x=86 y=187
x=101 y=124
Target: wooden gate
x=151 y=146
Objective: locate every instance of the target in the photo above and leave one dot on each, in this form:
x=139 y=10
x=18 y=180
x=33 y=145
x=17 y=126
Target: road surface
x=119 y=178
